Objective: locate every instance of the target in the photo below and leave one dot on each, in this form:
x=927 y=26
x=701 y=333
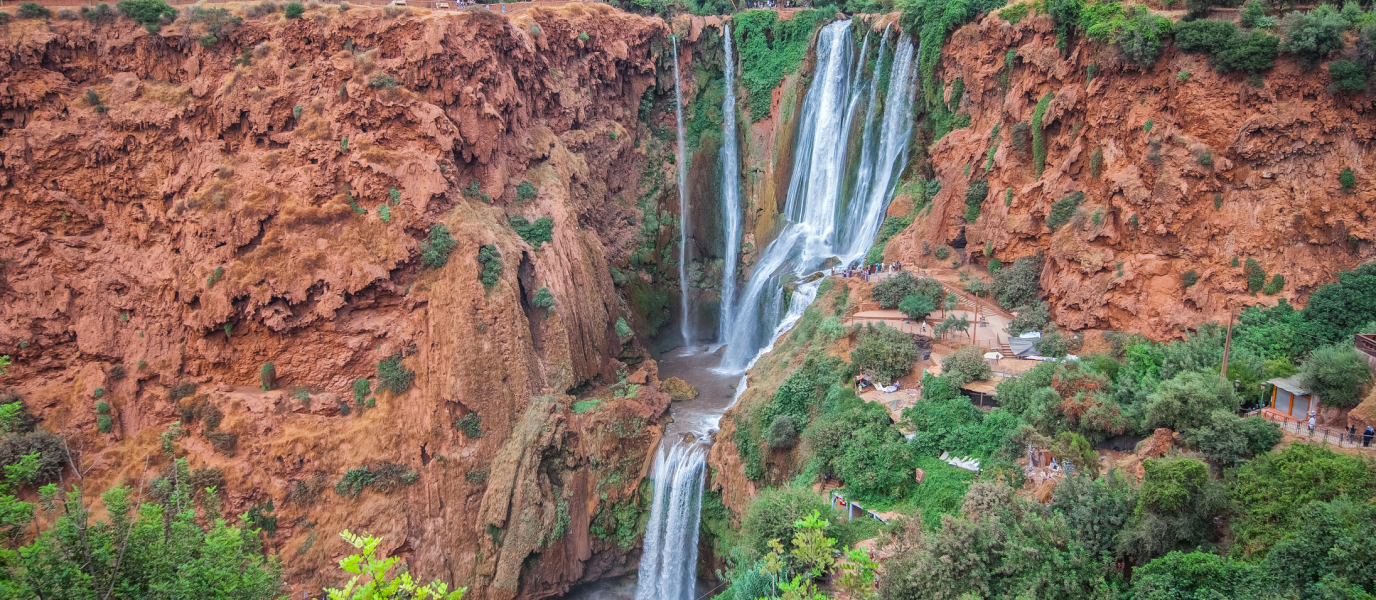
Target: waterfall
x=730 y=193
x=818 y=222
x=668 y=561
x=683 y=325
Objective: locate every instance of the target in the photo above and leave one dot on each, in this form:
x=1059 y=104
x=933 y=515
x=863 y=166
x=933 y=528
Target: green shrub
x=543 y=298
x=474 y=188
x=361 y=390
x=994 y=265
x=1251 y=52
x=770 y=48
x=917 y=306
x=393 y=376
x=1207 y=35
x=1228 y=440
x=353 y=482
x=623 y=329
x=101 y=14
x=1065 y=14
x=1064 y=209
x=942 y=253
x=1347 y=76
x=294 y=10
x=542 y=230
x=434 y=251
x=1189 y=278
x=1256 y=14
x=1182 y=76
x=892 y=291
x=33 y=10
x=583 y=406
x=384 y=213
x=491 y=261
x=471 y=425
x=1218 y=201
x=1256 y=276
x=782 y=433
x=98 y=392
x=1274 y=286
x=1313 y=35
x=967 y=364
x=151 y=14
x=1271 y=491
x=1146 y=127
x=1169 y=484
x=1134 y=29
x=1018 y=284
x=525 y=191
x=382 y=81
x=267 y=377
x=1186 y=400
x=1336 y=374
x=974 y=197
x=1038 y=141
x=104 y=423
x=1015 y=12
x=883 y=352
x=1348 y=179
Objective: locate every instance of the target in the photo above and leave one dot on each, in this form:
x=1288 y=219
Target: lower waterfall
x=669 y=559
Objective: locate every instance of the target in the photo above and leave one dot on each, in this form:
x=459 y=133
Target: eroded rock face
x=204 y=211
x=1227 y=170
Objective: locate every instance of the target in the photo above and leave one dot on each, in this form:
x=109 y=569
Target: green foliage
x=384 y=213
x=1187 y=400
x=783 y=432
x=1018 y=284
x=1347 y=76
x=883 y=352
x=1347 y=179
x=892 y=291
x=539 y=232
x=1274 y=286
x=543 y=298
x=1033 y=316
x=1194 y=575
x=525 y=191
x=1064 y=209
x=1336 y=374
x=623 y=330
x=1015 y=12
x=917 y=306
x=1066 y=15
x=1038 y=140
x=434 y=251
x=1133 y=28
x=769 y=49
x=1271 y=491
x=471 y=425
x=371 y=580
x=151 y=14
x=1335 y=311
x=974 y=197
x=382 y=81
x=267 y=377
x=583 y=406
x=1256 y=14
x=294 y=10
x=361 y=390
x=1250 y=52
x=1256 y=276
x=491 y=261
x=1205 y=35
x=965 y=365
x=1189 y=278
x=1314 y=35
x=393 y=376
x=33 y=10
x=942 y=253
x=1228 y=439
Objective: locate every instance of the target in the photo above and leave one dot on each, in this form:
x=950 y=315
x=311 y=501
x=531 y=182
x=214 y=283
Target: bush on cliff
x=393 y=376
x=151 y=14
x=1314 y=35
x=434 y=251
x=539 y=232
x=491 y=261
x=769 y=49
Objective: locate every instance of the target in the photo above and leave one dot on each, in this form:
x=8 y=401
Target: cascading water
x=683 y=324
x=668 y=561
x=819 y=223
x=730 y=192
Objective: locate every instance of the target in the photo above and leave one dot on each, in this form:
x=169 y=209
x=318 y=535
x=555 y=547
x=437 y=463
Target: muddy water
x=697 y=417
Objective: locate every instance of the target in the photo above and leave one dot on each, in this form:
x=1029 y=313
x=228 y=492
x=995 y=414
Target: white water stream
x=669 y=559
x=684 y=326
x=730 y=193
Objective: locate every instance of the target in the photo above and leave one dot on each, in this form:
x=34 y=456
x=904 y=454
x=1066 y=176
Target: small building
x=1285 y=395
x=982 y=393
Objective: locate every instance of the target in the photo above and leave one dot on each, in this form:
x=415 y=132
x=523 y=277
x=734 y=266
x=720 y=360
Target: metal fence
x=1342 y=437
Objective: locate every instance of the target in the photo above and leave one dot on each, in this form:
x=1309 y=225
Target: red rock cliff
x=191 y=213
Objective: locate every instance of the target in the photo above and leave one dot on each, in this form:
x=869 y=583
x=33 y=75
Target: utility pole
x=1227 y=345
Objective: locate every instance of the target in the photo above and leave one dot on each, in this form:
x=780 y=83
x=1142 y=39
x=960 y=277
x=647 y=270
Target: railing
x=1342 y=437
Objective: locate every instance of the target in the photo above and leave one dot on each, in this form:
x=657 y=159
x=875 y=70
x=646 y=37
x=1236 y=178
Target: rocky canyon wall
x=178 y=211
x=1181 y=169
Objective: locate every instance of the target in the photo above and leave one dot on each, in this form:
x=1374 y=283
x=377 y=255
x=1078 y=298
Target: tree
x=883 y=352
x=149 y=13
x=1315 y=34
x=370 y=581
x=1186 y=401
x=1227 y=439
x=1190 y=576
x=1336 y=374
x=967 y=364
x=892 y=291
x=1019 y=284
x=917 y=306
x=1335 y=311
x=1272 y=490
x=434 y=251
x=294 y=10
x=1030 y=317
x=783 y=432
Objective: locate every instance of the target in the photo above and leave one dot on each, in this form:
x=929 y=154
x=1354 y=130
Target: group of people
x=864 y=272
x=1366 y=435
x=769 y=4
